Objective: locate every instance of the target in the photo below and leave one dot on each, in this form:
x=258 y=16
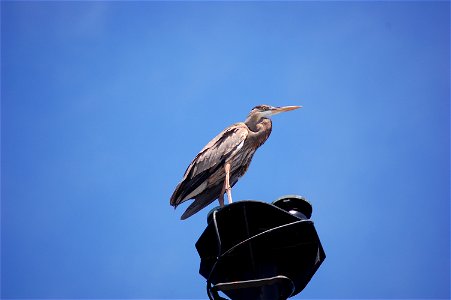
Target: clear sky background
x=104 y=104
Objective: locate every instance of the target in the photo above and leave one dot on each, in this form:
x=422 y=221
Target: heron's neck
x=252 y=121
x=260 y=129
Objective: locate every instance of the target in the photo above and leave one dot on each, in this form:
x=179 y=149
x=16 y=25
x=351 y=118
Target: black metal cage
x=256 y=250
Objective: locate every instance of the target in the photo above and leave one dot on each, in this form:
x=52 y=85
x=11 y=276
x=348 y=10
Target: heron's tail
x=193 y=208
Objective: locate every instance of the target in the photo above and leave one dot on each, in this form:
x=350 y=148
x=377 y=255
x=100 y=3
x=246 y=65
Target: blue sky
x=104 y=104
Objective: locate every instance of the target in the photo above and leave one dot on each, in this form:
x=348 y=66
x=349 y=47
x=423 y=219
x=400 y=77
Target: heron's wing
x=219 y=149
x=209 y=160
x=201 y=201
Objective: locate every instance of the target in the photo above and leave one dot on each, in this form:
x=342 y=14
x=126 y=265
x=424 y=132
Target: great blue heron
x=219 y=165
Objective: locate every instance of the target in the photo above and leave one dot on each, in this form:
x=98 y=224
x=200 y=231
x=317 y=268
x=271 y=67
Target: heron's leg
x=221 y=196
x=227 y=182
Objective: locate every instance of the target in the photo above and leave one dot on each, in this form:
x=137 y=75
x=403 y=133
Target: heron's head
x=266 y=111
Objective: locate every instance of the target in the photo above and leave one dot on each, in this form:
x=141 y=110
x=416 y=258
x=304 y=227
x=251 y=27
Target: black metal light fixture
x=255 y=250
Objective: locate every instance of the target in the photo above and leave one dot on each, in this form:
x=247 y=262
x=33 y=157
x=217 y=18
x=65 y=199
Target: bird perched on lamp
x=219 y=165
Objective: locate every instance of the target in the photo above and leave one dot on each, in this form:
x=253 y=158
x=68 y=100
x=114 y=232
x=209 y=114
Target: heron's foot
x=227 y=186
x=221 y=200
x=229 y=194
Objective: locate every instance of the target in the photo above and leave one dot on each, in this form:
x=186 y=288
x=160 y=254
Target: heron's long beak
x=281 y=109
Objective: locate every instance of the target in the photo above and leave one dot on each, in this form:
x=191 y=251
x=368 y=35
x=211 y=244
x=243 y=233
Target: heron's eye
x=262 y=108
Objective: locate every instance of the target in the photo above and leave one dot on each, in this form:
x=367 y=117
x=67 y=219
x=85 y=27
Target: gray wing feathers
x=217 y=149
x=209 y=159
